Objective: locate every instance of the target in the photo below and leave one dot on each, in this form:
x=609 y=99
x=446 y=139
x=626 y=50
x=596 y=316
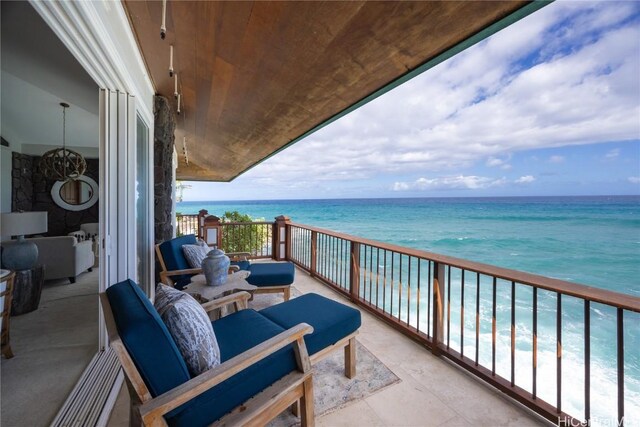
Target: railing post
x=281 y=240
x=438 y=307
x=354 y=275
x=314 y=254
x=212 y=231
x=202 y=213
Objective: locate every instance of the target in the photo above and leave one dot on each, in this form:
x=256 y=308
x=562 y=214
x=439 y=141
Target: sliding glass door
x=144 y=206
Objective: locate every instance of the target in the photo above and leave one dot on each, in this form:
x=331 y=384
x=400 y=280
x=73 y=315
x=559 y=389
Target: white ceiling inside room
x=38 y=72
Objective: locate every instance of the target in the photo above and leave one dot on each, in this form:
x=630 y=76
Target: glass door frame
x=98 y=34
x=147 y=150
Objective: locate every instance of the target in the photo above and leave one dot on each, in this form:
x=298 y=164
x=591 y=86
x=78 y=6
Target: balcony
x=431 y=391
x=513 y=326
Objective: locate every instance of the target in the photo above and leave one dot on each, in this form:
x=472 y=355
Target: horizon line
x=409 y=197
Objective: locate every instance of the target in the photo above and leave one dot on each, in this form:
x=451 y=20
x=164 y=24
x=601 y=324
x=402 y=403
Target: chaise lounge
x=269 y=277
x=264 y=368
x=156 y=372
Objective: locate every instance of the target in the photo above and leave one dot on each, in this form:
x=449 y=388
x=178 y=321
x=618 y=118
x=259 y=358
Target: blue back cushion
x=236 y=334
x=174 y=259
x=331 y=320
x=146 y=338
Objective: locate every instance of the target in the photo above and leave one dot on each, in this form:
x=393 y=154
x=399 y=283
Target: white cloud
x=612 y=154
x=634 y=179
x=525 y=179
x=556 y=159
x=493 y=162
x=400 y=186
x=469 y=182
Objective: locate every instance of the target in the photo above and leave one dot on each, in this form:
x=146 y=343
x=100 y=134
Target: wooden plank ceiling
x=254 y=76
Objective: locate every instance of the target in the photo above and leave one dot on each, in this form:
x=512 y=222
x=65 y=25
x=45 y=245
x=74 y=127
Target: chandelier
x=61 y=164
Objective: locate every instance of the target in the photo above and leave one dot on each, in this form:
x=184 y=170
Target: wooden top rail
x=604 y=296
x=247 y=223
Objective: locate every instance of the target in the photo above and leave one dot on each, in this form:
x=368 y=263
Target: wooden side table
x=235 y=282
x=27 y=289
x=6 y=294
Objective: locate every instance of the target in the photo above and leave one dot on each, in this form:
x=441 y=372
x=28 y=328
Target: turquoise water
x=589 y=240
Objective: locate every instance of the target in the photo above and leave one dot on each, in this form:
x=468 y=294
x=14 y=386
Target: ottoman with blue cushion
x=271 y=273
x=334 y=325
x=273 y=277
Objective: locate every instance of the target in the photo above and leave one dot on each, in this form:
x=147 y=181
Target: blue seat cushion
x=146 y=338
x=174 y=259
x=331 y=320
x=271 y=273
x=236 y=334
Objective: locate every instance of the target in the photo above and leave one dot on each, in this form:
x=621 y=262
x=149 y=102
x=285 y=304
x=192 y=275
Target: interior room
x=49 y=103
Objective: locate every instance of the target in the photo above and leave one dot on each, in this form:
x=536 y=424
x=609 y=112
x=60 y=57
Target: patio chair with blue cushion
x=264 y=368
x=269 y=277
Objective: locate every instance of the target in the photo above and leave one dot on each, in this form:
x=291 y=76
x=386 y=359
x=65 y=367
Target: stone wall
x=163 y=141
x=21 y=183
x=31 y=191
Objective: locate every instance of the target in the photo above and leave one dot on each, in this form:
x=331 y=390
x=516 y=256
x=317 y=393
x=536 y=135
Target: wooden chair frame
x=349 y=345
x=5 y=338
x=294 y=389
x=165 y=275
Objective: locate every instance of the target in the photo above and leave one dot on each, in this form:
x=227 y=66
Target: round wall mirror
x=75 y=194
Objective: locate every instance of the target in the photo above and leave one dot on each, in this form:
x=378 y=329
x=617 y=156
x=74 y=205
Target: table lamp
x=22 y=255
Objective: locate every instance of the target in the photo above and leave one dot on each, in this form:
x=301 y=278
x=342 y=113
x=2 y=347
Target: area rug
x=332 y=390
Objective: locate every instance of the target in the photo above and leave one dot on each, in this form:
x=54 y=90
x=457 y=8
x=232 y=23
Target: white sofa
x=89 y=231
x=91 y=228
x=63 y=256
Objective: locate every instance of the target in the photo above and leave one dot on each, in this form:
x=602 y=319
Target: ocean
x=594 y=241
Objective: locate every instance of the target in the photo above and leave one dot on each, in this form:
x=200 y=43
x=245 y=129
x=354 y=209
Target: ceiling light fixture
x=61 y=164
x=163 y=27
x=175 y=85
x=171 y=61
x=184 y=150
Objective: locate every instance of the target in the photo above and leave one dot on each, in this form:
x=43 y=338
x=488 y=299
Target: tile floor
x=52 y=347
x=432 y=392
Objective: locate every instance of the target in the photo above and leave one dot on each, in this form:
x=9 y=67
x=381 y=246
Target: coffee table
x=236 y=282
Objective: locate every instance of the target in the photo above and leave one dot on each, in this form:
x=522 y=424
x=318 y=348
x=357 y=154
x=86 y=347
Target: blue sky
x=548 y=106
